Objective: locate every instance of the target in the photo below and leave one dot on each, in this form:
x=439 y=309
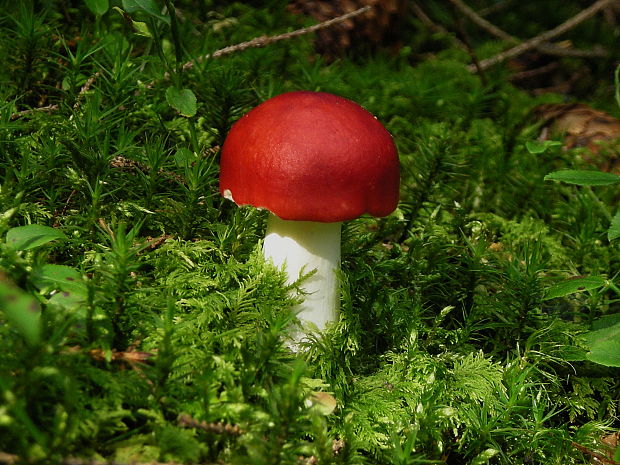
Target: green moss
x=173 y=348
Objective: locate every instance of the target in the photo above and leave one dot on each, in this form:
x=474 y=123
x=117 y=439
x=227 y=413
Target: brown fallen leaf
x=583 y=126
x=324 y=402
x=612 y=441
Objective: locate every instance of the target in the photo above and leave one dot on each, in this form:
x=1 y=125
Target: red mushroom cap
x=311 y=156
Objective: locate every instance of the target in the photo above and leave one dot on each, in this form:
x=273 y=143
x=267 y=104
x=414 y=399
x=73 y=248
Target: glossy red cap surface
x=311 y=156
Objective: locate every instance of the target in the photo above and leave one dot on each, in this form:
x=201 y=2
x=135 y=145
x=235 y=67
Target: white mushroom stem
x=300 y=247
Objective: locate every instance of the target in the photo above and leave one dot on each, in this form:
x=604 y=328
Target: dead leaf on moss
x=583 y=126
x=322 y=401
x=611 y=441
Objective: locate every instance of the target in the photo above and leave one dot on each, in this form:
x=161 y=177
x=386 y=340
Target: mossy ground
x=170 y=347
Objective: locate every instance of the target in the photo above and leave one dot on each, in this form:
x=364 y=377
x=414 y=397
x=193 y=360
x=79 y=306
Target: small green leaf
x=141 y=29
x=606 y=321
x=22 y=311
x=182 y=100
x=573 y=354
x=614 y=228
x=149 y=7
x=31 y=236
x=184 y=157
x=67 y=301
x=540 y=146
x=60 y=278
x=98 y=7
x=584 y=177
x=573 y=285
x=484 y=457
x=604 y=345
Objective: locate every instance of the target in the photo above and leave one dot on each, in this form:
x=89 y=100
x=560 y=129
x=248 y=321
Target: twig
x=89 y=82
x=481 y=22
x=496 y=7
x=550 y=49
x=470 y=49
x=337 y=446
x=428 y=22
x=125 y=164
x=530 y=73
x=64 y=208
x=544 y=37
x=547 y=48
x=131 y=356
x=263 y=41
x=186 y=421
x=600 y=457
x=48 y=108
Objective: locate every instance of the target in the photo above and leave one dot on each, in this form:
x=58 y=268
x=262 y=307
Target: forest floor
x=139 y=322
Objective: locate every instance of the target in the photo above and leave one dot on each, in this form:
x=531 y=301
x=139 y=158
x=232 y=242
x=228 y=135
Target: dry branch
x=428 y=22
x=263 y=41
x=546 y=36
x=48 y=108
x=496 y=7
x=85 y=88
x=547 y=48
x=481 y=22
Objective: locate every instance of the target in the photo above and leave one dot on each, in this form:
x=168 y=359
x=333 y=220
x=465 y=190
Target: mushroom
x=313 y=160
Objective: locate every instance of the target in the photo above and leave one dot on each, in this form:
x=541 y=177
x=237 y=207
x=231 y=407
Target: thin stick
x=547 y=48
x=544 y=37
x=48 y=108
x=428 y=22
x=263 y=41
x=482 y=23
x=217 y=427
x=499 y=6
x=530 y=73
x=550 y=49
x=596 y=455
x=470 y=50
x=85 y=88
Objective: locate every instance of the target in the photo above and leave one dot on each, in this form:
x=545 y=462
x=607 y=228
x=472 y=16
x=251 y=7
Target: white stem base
x=301 y=247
